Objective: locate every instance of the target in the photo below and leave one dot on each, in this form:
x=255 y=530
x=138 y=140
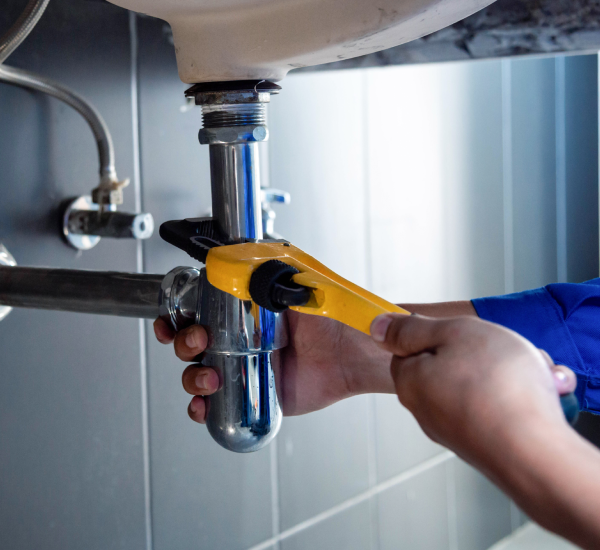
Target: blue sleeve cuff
x=537 y=316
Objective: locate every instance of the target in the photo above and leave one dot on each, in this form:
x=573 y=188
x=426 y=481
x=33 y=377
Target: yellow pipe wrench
x=277 y=275
x=261 y=272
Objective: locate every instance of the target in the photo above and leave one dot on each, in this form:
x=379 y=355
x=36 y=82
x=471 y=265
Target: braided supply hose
x=32 y=81
x=21 y=28
x=109 y=190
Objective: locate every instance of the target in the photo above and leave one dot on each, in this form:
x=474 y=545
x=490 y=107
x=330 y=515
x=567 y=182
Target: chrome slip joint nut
x=178 y=301
x=233 y=134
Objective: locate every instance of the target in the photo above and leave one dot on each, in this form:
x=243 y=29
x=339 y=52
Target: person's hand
x=324 y=362
x=473 y=386
x=198 y=381
x=493 y=398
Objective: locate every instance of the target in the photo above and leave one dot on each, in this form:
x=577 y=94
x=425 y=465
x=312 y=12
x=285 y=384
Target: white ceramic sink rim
x=218 y=40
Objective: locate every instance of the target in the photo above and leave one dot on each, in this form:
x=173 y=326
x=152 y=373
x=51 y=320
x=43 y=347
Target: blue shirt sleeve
x=564 y=320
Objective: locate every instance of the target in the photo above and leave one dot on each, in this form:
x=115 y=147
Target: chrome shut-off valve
x=84 y=223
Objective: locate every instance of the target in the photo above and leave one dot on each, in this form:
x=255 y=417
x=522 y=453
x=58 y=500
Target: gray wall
x=71 y=427
x=421 y=183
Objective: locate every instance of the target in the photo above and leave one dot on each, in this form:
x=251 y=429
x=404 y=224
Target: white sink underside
x=217 y=40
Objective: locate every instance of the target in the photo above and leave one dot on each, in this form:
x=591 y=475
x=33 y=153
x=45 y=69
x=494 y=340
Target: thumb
x=408 y=335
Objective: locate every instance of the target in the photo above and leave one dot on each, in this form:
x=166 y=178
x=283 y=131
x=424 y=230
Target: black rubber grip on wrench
x=271 y=287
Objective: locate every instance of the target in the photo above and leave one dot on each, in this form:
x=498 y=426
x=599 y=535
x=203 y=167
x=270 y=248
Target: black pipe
x=98 y=292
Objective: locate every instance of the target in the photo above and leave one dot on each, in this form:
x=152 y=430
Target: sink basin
x=217 y=40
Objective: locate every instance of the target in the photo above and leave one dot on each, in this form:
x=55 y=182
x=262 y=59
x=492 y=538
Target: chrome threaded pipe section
x=221 y=116
x=234 y=123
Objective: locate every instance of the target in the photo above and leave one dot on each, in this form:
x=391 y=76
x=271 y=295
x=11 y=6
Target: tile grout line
x=514 y=517
x=275 y=514
x=137 y=186
x=507 y=176
x=372 y=465
x=371 y=404
x=371 y=412
x=560 y=168
x=508 y=541
x=451 y=503
x=507 y=189
x=361 y=497
x=366 y=181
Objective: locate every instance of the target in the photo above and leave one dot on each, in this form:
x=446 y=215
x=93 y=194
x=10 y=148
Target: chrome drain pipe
x=80 y=291
x=244 y=339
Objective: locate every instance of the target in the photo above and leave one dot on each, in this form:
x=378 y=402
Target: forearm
x=442 y=309
x=369 y=365
x=553 y=474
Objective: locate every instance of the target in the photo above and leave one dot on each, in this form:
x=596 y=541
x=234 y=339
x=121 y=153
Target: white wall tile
x=316 y=152
x=414 y=514
x=483 y=513
x=348 y=530
x=405 y=173
x=401 y=444
x=434 y=165
x=534 y=172
x=323 y=459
